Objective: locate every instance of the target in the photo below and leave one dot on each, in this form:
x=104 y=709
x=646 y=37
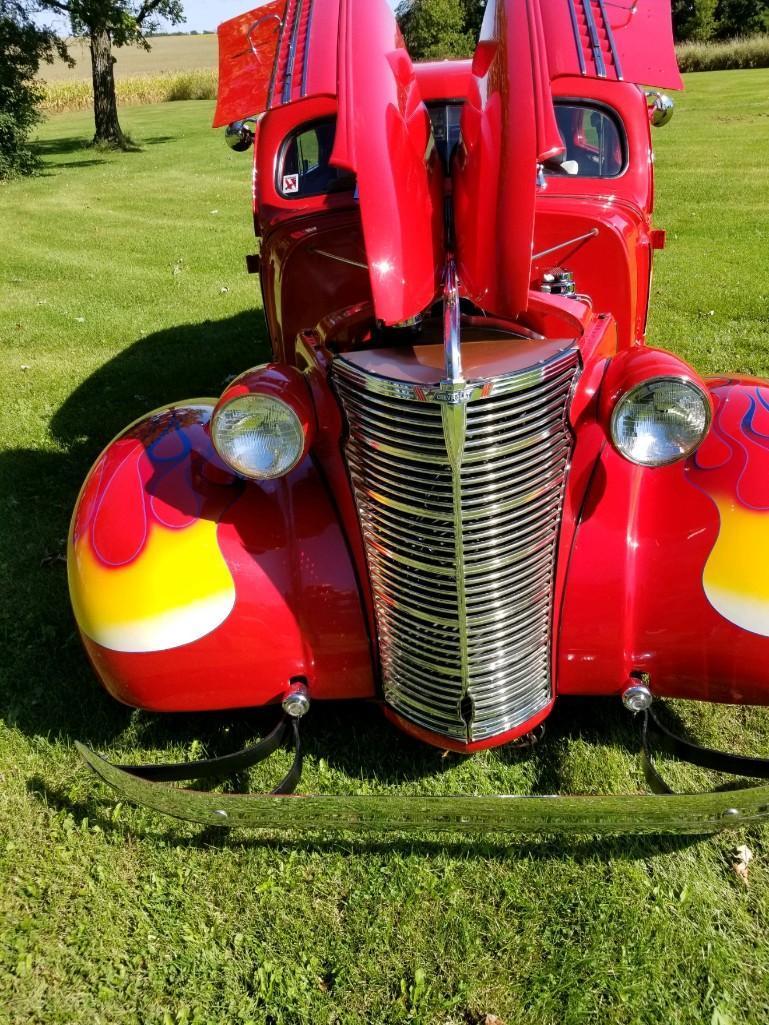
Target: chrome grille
x=461 y=550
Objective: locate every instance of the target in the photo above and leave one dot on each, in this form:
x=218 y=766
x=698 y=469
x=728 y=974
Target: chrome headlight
x=258 y=436
x=660 y=421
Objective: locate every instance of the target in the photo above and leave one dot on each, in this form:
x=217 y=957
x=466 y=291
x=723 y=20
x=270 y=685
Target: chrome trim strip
x=505 y=384
x=305 y=58
x=577 y=39
x=451 y=313
x=610 y=37
x=278 y=52
x=419 y=415
x=595 y=41
x=288 y=80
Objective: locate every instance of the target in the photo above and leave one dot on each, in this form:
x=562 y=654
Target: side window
x=594 y=144
x=304 y=168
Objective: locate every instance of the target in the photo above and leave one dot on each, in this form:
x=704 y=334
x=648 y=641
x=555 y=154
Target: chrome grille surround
x=459 y=489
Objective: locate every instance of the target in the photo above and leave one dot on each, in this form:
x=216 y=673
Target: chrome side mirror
x=240 y=135
x=661 y=109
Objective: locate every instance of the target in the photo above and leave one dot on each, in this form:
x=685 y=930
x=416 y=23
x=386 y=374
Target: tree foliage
x=694 y=19
x=127 y=21
x=23 y=47
x=702 y=20
x=741 y=17
x=108 y=23
x=440 y=28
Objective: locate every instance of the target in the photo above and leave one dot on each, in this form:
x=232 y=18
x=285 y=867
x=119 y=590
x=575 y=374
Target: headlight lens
x=259 y=436
x=660 y=421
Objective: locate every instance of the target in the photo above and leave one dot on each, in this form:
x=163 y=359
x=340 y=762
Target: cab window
x=304 y=168
x=593 y=141
x=445 y=119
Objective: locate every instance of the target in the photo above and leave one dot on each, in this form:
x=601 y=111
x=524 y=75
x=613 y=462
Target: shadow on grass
x=46 y=684
x=59 y=147
x=76 y=145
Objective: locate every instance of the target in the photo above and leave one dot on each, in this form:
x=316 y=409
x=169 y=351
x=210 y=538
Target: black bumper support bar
x=225 y=765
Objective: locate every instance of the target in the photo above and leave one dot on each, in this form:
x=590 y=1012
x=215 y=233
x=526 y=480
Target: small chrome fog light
x=297 y=703
x=637 y=697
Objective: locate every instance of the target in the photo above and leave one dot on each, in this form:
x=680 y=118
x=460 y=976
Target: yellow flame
x=177 y=590
x=736 y=576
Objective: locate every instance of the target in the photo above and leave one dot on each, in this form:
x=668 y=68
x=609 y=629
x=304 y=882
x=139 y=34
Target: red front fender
x=669 y=571
x=194 y=590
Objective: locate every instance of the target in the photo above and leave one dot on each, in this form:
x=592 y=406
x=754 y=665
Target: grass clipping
x=178 y=85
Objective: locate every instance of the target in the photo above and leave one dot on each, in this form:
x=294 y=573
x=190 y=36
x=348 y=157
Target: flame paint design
x=732 y=467
x=145 y=569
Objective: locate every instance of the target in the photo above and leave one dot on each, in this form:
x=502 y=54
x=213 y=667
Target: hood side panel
x=617 y=41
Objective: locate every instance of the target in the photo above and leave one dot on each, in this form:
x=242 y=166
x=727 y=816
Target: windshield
x=593 y=141
x=445 y=118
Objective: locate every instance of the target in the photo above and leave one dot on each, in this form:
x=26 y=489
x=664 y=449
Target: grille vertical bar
x=461 y=546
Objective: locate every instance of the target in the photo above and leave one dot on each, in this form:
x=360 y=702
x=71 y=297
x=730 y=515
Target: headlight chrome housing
x=660 y=421
x=260 y=427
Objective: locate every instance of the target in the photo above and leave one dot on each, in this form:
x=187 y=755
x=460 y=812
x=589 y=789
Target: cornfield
x=731 y=54
x=180 y=85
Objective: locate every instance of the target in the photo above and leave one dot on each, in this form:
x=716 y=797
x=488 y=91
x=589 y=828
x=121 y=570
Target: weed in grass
x=108 y=913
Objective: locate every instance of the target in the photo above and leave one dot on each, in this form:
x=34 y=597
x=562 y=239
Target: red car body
x=574 y=571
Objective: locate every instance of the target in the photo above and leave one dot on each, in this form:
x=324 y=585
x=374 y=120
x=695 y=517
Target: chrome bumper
x=632 y=814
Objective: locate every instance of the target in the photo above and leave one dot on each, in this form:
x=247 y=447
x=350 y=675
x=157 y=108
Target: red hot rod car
x=464 y=485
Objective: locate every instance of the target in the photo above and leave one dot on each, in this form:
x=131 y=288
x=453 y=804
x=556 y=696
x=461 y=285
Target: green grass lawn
x=123 y=286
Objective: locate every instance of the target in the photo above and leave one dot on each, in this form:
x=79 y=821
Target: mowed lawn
x=123 y=286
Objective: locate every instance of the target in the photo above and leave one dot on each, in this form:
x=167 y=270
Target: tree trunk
x=108 y=131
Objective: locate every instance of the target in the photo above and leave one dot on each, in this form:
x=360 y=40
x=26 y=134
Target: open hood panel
x=275 y=54
x=248 y=45
x=384 y=137
x=619 y=41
